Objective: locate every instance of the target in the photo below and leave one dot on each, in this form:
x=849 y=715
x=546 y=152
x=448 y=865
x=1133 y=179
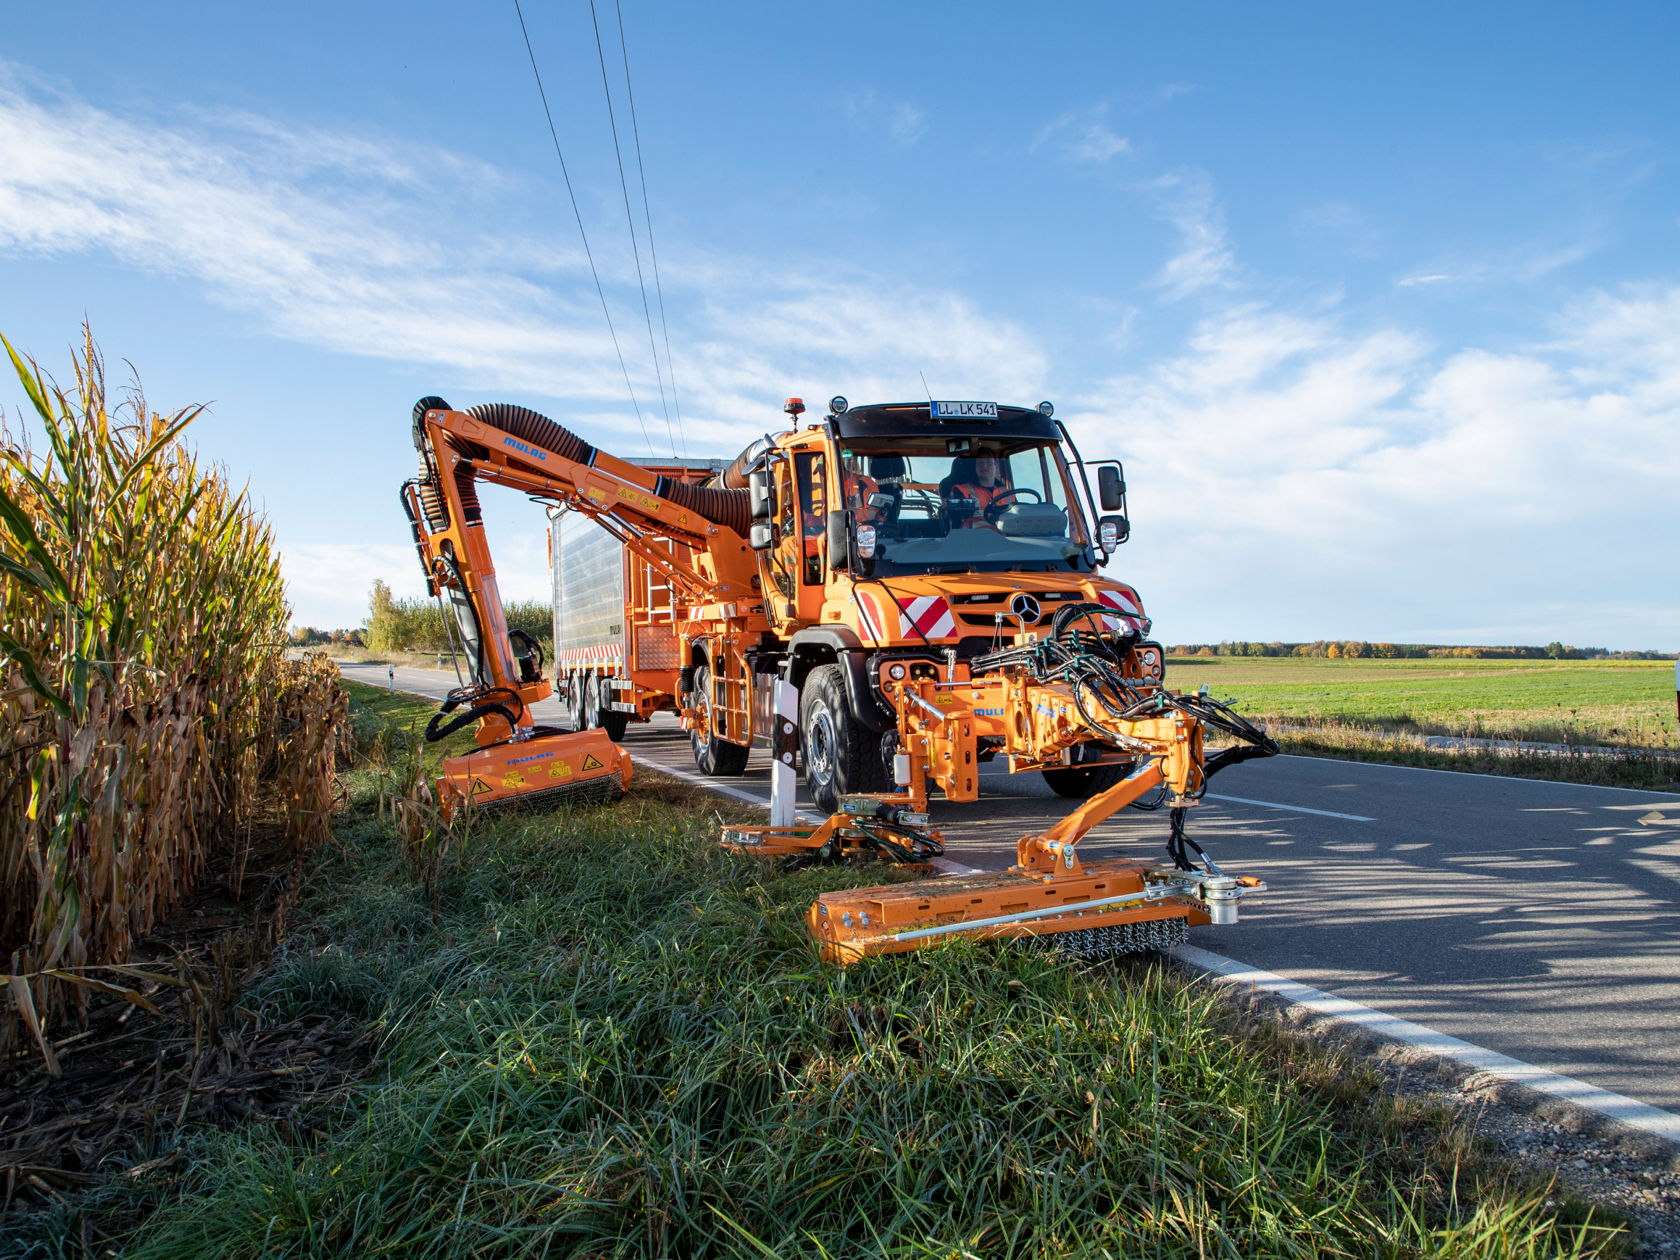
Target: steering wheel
x=995 y=508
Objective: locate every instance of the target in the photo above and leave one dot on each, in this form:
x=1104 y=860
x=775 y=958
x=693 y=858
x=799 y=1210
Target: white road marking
x=1294 y=809
x=1617 y=1107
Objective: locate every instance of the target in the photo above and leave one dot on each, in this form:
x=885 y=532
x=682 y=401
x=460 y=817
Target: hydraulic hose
x=437 y=728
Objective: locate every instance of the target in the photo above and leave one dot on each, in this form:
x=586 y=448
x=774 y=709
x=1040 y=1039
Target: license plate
x=965 y=411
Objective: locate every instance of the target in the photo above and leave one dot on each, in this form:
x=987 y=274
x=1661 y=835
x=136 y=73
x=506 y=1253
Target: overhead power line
x=578 y=214
x=647 y=217
x=630 y=221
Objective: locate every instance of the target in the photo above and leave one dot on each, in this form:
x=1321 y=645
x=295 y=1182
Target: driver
x=860 y=486
x=988 y=485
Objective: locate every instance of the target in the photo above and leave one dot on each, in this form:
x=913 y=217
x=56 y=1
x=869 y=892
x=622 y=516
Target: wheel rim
x=820 y=745
x=702 y=734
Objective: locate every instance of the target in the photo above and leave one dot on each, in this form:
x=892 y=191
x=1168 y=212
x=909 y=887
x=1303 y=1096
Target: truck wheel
x=713 y=755
x=842 y=755
x=1081 y=782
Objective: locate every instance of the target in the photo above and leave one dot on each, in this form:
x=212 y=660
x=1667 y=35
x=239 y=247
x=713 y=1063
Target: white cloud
x=328 y=584
x=321 y=239
x=1204 y=259
x=316 y=237
x=1355 y=483
x=907 y=123
x=901 y=121
x=1083 y=135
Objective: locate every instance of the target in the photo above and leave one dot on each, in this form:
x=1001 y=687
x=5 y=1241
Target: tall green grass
x=601 y=1036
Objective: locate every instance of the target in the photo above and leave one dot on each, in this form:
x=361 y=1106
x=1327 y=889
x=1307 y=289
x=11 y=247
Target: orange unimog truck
x=907 y=590
x=884 y=544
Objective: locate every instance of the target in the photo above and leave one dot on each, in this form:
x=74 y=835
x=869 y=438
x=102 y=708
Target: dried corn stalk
x=142 y=691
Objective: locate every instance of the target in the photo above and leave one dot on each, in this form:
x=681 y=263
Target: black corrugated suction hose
x=725 y=507
x=721 y=507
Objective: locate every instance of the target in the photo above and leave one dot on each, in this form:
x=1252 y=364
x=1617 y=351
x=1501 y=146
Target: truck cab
x=913 y=537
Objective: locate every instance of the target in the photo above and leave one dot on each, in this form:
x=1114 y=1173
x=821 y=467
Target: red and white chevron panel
x=926 y=615
x=1123 y=602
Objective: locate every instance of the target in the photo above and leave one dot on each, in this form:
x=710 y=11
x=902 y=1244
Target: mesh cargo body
x=588 y=581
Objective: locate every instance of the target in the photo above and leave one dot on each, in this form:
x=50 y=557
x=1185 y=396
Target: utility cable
x=630 y=221
x=587 y=252
x=647 y=217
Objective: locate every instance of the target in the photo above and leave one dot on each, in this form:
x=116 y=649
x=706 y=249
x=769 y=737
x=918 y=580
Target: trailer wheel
x=842 y=756
x=574 y=700
x=713 y=755
x=609 y=720
x=1081 y=782
x=590 y=703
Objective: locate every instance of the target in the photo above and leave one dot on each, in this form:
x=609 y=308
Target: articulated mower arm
x=514 y=447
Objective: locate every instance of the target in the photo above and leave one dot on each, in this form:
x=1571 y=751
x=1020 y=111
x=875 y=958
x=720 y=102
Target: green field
x=1580 y=702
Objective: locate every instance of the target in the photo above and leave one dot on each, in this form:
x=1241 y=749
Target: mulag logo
x=517 y=445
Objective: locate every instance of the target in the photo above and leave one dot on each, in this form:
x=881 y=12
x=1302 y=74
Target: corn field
x=143 y=695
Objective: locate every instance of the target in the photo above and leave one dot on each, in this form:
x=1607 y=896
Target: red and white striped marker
x=926 y=615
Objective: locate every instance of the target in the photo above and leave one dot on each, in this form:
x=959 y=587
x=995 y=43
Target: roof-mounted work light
x=1046 y=410
x=837 y=405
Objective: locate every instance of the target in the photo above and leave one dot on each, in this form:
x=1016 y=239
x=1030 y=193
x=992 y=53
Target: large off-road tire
x=1083 y=782
x=713 y=755
x=841 y=754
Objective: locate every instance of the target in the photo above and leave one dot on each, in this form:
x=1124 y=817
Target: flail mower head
x=544 y=770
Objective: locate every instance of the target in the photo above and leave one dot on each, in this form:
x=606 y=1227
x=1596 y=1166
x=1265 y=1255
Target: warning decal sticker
x=590 y=762
x=480 y=787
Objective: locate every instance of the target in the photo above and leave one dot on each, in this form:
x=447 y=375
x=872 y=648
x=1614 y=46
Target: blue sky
x=1380 y=305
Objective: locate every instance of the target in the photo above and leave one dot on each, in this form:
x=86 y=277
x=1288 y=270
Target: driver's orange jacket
x=984 y=497
x=859 y=486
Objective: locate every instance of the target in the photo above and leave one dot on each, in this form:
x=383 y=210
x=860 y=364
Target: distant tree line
x=1356 y=649
x=309 y=636
x=420 y=625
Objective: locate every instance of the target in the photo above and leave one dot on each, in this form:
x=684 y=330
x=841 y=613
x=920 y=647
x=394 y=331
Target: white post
x=784 y=743
x=391 y=673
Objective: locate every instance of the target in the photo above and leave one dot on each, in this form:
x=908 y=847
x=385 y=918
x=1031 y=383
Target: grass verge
x=1645 y=770
x=599 y=1035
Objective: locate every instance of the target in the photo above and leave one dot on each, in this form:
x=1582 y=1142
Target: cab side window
x=810 y=474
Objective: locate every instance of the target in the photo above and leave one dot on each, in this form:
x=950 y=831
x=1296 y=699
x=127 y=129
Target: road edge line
x=1650 y=1131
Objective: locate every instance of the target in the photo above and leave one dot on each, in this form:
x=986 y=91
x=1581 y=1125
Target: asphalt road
x=1541 y=920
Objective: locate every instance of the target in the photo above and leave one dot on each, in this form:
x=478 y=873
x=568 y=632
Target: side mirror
x=1112 y=531
x=839 y=541
x=758 y=496
x=1111 y=489
x=760 y=537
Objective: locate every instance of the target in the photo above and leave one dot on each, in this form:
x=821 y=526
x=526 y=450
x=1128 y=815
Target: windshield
x=978 y=503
